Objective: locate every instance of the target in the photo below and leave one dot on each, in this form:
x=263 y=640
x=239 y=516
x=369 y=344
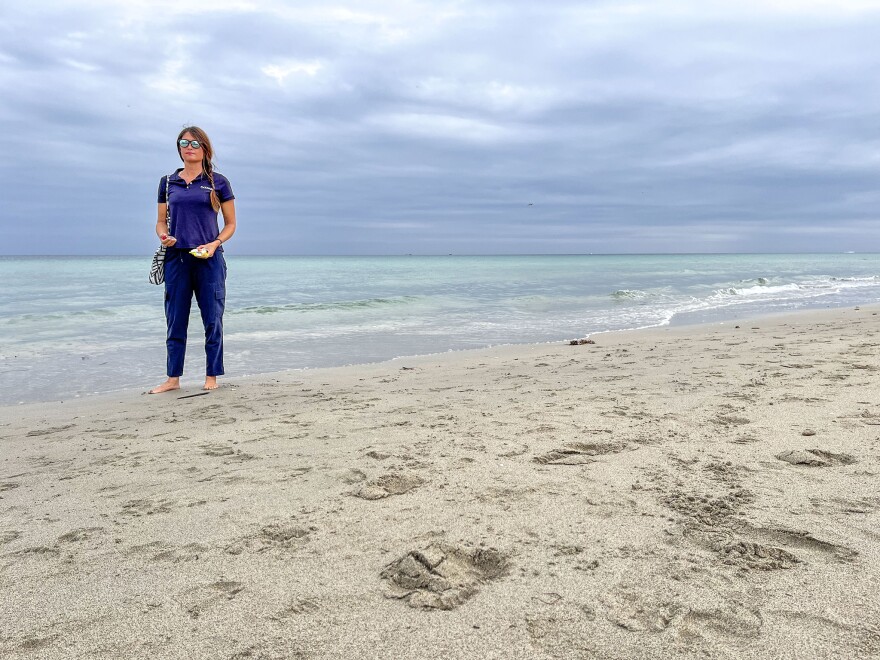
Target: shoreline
x=192 y=388
x=686 y=491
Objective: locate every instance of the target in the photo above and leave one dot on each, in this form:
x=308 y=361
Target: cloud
x=405 y=126
x=280 y=72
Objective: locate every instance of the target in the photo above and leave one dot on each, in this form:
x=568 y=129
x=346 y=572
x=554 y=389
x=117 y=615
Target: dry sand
x=694 y=492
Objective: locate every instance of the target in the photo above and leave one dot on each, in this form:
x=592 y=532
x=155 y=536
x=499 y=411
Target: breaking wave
x=343 y=305
x=629 y=294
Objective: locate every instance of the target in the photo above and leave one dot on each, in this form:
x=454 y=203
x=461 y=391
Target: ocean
x=74 y=326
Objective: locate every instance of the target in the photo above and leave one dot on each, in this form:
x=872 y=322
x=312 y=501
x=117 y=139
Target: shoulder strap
x=168 y=206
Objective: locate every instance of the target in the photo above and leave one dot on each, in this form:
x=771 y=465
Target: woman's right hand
x=168 y=241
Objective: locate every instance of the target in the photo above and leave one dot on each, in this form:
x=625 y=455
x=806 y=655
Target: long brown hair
x=207 y=158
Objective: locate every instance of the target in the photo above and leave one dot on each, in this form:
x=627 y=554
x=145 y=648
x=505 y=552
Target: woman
x=195 y=193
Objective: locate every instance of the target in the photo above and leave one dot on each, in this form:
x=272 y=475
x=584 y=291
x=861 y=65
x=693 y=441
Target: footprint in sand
x=297 y=472
x=201 y=599
x=42 y=551
x=282 y=533
x=184 y=553
x=564 y=631
x=353 y=476
x=80 y=534
x=730 y=624
x=511 y=453
x=850 y=639
x=708 y=510
x=146 y=507
x=844 y=505
x=640 y=611
x=579 y=453
x=217 y=450
x=696 y=619
x=731 y=420
x=388 y=485
x=30 y=644
x=225 y=451
x=764 y=548
x=9 y=537
x=54 y=429
x=298 y=607
x=797 y=540
x=442 y=576
x=815 y=458
x=733 y=550
x=279 y=648
x=756 y=555
x=277 y=536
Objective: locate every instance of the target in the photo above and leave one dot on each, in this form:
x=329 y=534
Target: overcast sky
x=390 y=127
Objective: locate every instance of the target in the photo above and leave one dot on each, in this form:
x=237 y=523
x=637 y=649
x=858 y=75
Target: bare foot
x=210 y=383
x=167 y=386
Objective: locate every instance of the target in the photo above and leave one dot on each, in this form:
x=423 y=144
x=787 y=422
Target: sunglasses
x=183 y=144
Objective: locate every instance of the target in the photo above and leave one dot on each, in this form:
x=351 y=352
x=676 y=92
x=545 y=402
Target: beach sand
x=706 y=491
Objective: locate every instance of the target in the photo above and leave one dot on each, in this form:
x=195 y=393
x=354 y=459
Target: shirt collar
x=176 y=176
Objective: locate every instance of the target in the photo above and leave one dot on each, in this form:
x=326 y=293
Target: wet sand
x=709 y=491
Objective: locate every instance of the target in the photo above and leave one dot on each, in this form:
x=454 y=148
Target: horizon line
x=462 y=254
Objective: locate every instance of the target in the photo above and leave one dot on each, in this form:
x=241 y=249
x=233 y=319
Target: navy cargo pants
x=186 y=275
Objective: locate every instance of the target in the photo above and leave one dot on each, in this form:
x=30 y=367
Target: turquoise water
x=78 y=325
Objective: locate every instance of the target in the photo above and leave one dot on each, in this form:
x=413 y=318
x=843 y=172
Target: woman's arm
x=228 y=209
x=162 y=227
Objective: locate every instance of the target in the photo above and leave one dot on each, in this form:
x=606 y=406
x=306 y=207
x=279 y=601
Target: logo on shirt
x=206 y=187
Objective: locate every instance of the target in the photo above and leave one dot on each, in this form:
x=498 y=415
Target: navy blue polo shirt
x=193 y=219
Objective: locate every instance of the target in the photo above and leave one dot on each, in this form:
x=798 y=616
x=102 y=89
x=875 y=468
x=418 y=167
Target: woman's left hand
x=210 y=248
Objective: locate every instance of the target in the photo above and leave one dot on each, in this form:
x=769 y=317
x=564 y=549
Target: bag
x=157 y=268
